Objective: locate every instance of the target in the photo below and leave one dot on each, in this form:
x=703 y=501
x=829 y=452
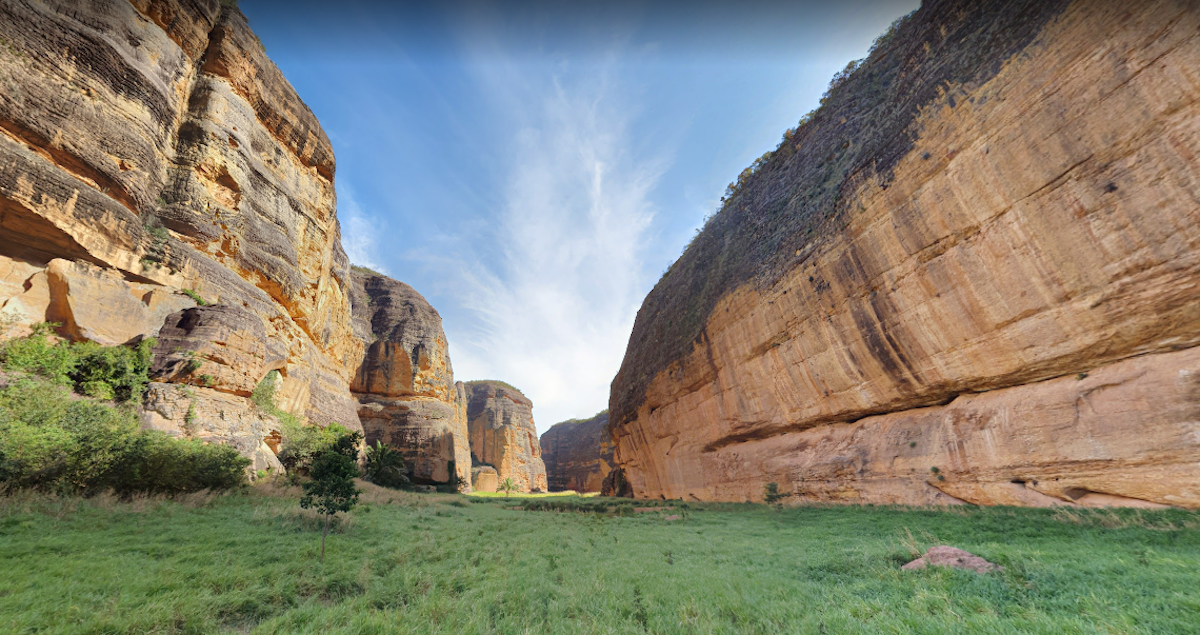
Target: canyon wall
x=148 y=149
x=503 y=435
x=405 y=385
x=972 y=275
x=578 y=454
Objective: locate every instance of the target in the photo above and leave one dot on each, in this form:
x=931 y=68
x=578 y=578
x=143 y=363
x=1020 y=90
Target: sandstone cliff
x=150 y=148
x=972 y=275
x=503 y=435
x=578 y=454
x=405 y=383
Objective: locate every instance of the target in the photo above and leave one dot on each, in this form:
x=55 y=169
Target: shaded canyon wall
x=578 y=454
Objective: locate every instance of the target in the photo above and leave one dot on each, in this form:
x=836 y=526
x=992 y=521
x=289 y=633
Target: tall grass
x=412 y=563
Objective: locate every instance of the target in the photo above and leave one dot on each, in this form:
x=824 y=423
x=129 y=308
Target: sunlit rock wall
x=151 y=148
x=972 y=275
x=503 y=435
x=405 y=383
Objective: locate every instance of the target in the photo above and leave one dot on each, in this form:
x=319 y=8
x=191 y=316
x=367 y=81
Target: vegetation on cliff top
x=411 y=563
x=799 y=194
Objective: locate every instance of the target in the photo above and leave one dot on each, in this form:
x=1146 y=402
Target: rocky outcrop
x=149 y=148
x=971 y=275
x=405 y=383
x=578 y=454
x=503 y=435
x=484 y=479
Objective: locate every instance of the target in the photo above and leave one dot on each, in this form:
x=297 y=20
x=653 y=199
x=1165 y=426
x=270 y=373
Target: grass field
x=408 y=563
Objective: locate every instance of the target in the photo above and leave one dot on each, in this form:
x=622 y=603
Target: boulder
x=484 y=479
x=943 y=556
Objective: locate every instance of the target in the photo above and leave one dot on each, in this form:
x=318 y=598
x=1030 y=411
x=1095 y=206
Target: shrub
x=385 y=466
x=52 y=441
x=103 y=372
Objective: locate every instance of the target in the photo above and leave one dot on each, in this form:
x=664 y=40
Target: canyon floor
x=437 y=563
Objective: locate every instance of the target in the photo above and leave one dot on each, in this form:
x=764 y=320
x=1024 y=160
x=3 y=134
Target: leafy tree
x=385 y=466
x=508 y=487
x=331 y=489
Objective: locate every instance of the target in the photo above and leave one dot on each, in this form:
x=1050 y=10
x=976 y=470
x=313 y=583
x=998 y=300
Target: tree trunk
x=323 y=534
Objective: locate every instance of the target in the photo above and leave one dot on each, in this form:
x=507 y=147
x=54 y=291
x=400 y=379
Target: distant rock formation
x=577 y=454
x=148 y=149
x=503 y=435
x=405 y=383
x=972 y=275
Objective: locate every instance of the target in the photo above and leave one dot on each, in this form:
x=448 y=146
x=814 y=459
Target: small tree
x=331 y=489
x=508 y=486
x=772 y=495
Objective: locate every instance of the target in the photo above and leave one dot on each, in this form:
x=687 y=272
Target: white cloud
x=553 y=311
x=359 y=230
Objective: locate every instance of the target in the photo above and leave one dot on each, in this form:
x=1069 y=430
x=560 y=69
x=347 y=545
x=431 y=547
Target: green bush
x=301 y=443
x=385 y=466
x=52 y=441
x=103 y=372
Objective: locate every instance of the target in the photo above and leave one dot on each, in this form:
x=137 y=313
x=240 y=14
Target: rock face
x=405 y=384
x=972 y=275
x=503 y=435
x=150 y=147
x=578 y=454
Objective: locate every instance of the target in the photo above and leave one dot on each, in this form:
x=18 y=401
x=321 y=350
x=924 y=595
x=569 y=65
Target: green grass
x=409 y=563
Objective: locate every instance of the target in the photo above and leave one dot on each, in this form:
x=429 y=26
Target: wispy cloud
x=555 y=301
x=359 y=230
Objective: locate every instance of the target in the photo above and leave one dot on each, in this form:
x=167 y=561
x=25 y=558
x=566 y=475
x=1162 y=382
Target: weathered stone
x=1032 y=219
x=405 y=383
x=503 y=435
x=484 y=479
x=215 y=417
x=221 y=347
x=157 y=142
x=578 y=454
x=943 y=556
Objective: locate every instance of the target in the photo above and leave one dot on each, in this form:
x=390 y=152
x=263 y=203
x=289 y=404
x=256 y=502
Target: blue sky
x=532 y=169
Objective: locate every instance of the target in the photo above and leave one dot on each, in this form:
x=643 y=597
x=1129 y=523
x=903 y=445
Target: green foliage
x=508 y=486
x=35 y=354
x=771 y=494
x=366 y=270
x=102 y=372
x=385 y=466
x=194 y=296
x=416 y=563
x=301 y=443
x=52 y=441
x=332 y=488
x=118 y=372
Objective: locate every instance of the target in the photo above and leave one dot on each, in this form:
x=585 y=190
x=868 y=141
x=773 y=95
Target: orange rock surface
x=1014 y=303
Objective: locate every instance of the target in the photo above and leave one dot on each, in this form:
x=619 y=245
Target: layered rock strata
x=503 y=435
x=151 y=148
x=971 y=275
x=578 y=454
x=405 y=384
